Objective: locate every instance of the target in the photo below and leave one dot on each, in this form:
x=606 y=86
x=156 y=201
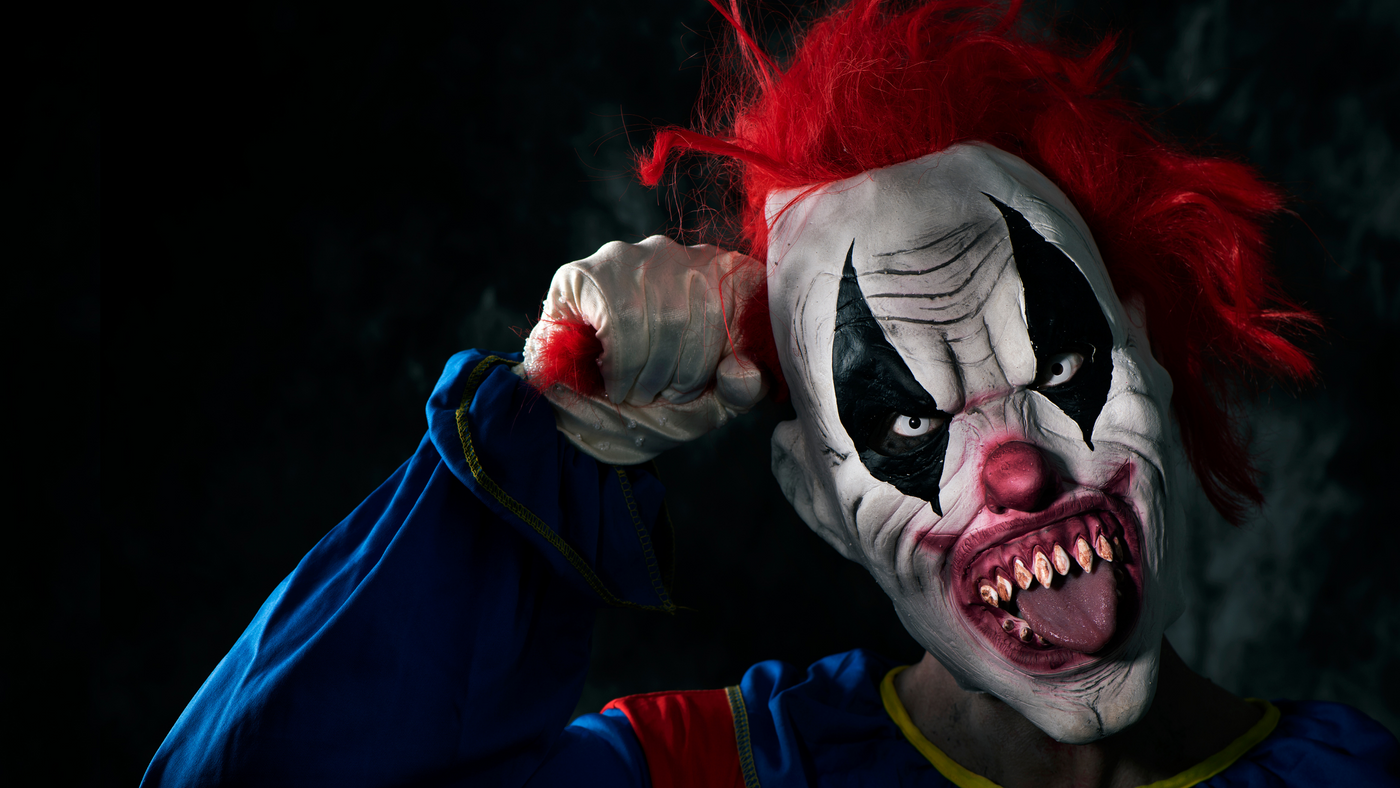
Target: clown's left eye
x=1059 y=368
x=904 y=433
x=911 y=426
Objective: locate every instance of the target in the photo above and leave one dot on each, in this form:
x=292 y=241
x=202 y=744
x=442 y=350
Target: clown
x=991 y=434
x=996 y=300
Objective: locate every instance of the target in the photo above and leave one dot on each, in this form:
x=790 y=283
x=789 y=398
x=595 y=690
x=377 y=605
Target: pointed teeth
x=1042 y=568
x=1083 y=555
x=989 y=594
x=1003 y=587
x=1061 y=560
x=1103 y=548
x=1023 y=575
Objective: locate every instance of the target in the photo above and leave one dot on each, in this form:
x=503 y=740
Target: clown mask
x=982 y=425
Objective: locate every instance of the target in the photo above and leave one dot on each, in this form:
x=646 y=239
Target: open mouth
x=1054 y=590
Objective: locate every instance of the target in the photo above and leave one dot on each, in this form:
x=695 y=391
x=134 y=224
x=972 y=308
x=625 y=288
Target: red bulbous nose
x=1018 y=475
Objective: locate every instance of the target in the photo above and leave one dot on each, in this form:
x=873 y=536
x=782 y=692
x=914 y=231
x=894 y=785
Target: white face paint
x=971 y=393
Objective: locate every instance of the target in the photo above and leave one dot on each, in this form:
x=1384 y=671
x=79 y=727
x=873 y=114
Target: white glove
x=664 y=314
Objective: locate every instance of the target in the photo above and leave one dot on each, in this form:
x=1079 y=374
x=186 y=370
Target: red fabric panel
x=688 y=737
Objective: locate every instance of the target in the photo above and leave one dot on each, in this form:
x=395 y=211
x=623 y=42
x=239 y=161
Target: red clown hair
x=869 y=86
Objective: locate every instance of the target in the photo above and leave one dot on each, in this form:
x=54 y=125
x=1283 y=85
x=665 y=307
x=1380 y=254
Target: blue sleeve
x=595 y=750
x=439 y=634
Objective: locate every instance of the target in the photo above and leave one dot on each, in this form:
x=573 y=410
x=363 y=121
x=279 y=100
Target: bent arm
x=439 y=634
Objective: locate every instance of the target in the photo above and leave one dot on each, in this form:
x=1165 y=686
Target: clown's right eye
x=904 y=433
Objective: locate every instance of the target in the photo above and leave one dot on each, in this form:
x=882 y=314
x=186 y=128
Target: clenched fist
x=664 y=316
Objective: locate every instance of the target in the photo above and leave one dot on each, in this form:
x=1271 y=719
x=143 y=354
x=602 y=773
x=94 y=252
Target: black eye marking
x=1062 y=316
x=874 y=388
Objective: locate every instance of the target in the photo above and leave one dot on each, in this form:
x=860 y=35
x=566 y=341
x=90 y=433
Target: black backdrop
x=319 y=203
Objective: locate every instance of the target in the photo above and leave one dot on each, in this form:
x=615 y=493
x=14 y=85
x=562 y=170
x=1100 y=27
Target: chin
x=1102 y=701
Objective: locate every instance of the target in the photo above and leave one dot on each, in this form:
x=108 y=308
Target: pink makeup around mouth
x=1055 y=589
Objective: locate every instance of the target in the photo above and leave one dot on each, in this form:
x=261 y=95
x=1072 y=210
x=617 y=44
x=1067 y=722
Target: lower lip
x=1030 y=656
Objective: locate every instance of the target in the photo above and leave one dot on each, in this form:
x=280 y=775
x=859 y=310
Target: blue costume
x=439 y=635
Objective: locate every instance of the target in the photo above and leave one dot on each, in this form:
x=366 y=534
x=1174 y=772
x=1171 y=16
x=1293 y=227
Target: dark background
x=317 y=204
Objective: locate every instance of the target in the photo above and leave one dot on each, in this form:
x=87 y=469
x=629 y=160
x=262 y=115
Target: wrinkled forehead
x=927 y=227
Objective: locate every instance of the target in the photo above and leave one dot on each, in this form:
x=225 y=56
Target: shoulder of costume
x=732 y=736
x=1335 y=725
x=1318 y=743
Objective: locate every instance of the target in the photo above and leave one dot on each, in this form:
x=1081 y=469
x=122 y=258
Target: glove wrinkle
x=659 y=311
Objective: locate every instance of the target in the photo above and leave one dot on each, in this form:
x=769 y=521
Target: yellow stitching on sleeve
x=741 y=736
x=653 y=569
x=478 y=374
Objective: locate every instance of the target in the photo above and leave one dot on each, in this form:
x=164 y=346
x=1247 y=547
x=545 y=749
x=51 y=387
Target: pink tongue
x=1080 y=615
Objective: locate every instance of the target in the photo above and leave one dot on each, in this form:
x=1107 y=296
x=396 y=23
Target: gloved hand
x=664 y=315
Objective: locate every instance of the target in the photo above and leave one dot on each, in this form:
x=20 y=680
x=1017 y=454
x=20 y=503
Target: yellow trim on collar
x=946 y=766
x=963 y=778
x=1222 y=760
